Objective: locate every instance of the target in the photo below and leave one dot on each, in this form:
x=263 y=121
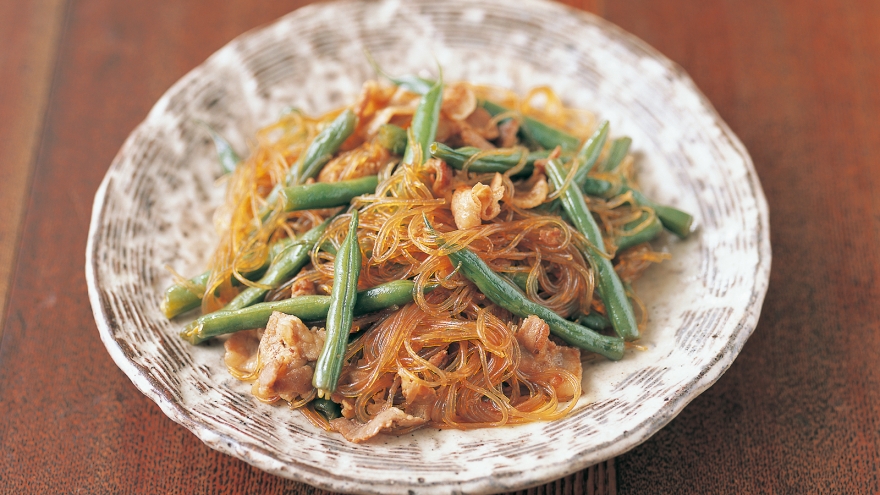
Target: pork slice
x=470 y=206
x=242 y=351
x=470 y=137
x=367 y=159
x=346 y=404
x=302 y=287
x=288 y=350
x=540 y=354
x=532 y=192
x=459 y=101
x=442 y=176
x=507 y=132
x=384 y=422
x=481 y=121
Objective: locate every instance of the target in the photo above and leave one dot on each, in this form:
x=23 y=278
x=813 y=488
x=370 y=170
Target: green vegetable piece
x=589 y=152
x=520 y=279
x=610 y=287
x=599 y=188
x=424 y=122
x=392 y=138
x=537 y=131
x=284 y=266
x=229 y=159
x=343 y=296
x=327 y=408
x=504 y=294
x=649 y=232
x=306 y=308
x=618 y=151
x=179 y=299
x=595 y=321
x=456 y=159
x=416 y=84
x=322 y=148
x=326 y=194
x=674 y=220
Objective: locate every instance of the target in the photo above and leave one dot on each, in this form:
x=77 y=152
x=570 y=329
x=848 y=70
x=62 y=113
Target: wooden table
x=798 y=412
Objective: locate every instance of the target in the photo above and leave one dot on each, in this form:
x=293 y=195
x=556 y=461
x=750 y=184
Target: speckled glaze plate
x=154 y=208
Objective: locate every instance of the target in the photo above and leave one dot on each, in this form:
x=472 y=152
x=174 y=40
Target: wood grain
x=797 y=412
x=29 y=33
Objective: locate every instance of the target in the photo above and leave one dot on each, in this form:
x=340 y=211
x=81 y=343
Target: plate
x=155 y=205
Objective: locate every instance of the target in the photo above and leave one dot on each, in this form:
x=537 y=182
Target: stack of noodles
x=461 y=202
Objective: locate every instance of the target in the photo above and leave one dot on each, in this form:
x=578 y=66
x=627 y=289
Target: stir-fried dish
x=440 y=255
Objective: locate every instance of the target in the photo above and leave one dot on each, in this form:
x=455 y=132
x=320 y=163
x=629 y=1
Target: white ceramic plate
x=155 y=205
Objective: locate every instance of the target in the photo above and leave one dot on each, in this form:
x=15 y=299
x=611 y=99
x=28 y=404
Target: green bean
x=674 y=220
x=322 y=148
x=456 y=159
x=589 y=152
x=548 y=137
x=424 y=122
x=343 y=296
x=416 y=84
x=392 y=138
x=306 y=308
x=595 y=321
x=327 y=408
x=610 y=287
x=618 y=151
x=502 y=293
x=284 y=266
x=179 y=299
x=600 y=188
x=326 y=194
x=229 y=159
x=647 y=233
x=520 y=279
x=427 y=114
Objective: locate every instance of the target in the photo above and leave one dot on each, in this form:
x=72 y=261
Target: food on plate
x=440 y=255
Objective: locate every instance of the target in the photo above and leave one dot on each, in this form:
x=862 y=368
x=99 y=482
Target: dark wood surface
x=797 y=81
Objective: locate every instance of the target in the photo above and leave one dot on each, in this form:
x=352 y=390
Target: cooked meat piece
x=472 y=205
x=302 y=287
x=242 y=350
x=442 y=176
x=420 y=399
x=532 y=192
x=490 y=198
x=387 y=115
x=507 y=132
x=540 y=354
x=481 y=122
x=470 y=137
x=551 y=238
x=439 y=359
x=459 y=101
x=465 y=209
x=287 y=352
x=346 y=404
x=373 y=97
x=367 y=159
x=447 y=132
x=385 y=421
